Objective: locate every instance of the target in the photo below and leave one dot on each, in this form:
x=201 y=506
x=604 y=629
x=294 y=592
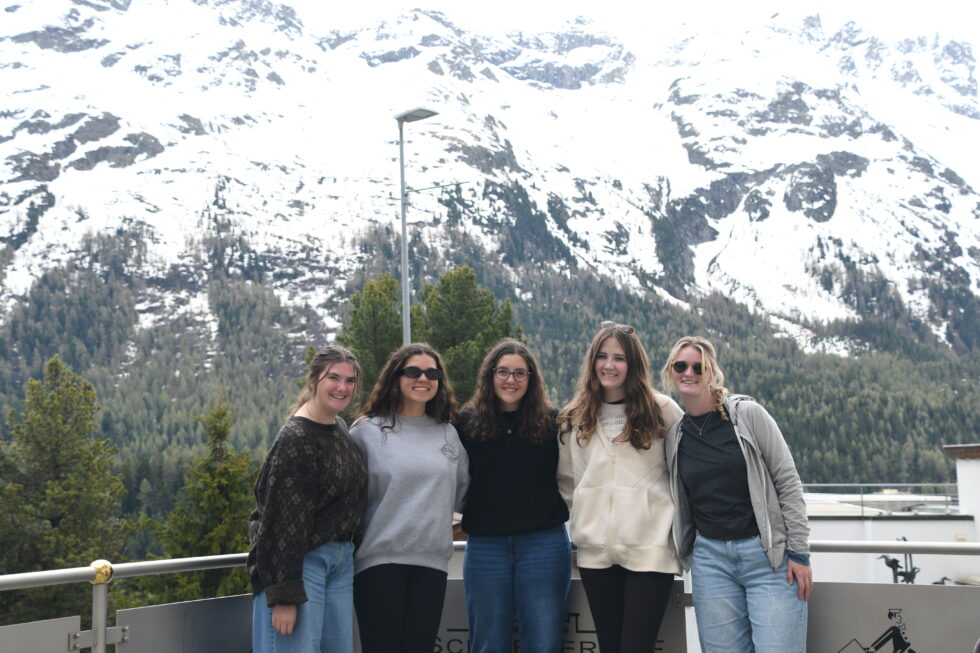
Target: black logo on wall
x=895 y=639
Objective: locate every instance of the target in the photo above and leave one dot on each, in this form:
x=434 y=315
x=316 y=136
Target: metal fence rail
x=100 y=572
x=949 y=493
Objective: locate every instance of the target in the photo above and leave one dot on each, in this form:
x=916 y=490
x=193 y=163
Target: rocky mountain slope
x=814 y=176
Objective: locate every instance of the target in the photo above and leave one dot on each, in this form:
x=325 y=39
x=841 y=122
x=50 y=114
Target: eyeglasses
x=519 y=375
x=412 y=372
x=622 y=328
x=681 y=366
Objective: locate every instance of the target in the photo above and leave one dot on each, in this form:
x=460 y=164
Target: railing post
x=100 y=604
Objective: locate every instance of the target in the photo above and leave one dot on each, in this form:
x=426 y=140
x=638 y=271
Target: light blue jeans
x=741 y=603
x=526 y=575
x=325 y=623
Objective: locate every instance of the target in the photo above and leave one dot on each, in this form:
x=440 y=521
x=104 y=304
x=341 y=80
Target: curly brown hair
x=644 y=419
x=386 y=397
x=535 y=423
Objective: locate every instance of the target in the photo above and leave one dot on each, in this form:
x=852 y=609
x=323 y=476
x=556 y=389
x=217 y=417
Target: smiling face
x=415 y=393
x=335 y=389
x=693 y=388
x=510 y=391
x=611 y=368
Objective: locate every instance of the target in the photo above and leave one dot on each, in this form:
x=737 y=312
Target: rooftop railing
x=100 y=572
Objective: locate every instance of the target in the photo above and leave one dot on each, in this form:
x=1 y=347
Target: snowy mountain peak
x=811 y=177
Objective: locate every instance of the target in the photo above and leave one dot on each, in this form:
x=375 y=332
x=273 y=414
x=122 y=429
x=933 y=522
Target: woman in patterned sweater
x=310 y=499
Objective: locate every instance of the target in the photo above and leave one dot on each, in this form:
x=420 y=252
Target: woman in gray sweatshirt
x=417 y=477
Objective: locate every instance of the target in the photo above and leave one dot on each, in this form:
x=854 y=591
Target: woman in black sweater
x=518 y=556
x=309 y=509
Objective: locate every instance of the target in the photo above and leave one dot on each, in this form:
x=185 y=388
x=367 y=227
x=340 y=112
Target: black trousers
x=627 y=607
x=399 y=608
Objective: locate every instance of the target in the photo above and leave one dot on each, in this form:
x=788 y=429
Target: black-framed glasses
x=681 y=366
x=412 y=372
x=519 y=375
x=625 y=329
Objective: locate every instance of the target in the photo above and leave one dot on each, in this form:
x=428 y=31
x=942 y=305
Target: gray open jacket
x=774 y=484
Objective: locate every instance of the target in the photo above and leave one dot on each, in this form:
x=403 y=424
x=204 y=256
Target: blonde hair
x=709 y=369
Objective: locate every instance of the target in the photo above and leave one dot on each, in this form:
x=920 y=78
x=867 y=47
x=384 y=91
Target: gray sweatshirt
x=417 y=477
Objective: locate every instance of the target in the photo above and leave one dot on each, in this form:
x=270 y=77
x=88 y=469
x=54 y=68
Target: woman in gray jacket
x=740 y=521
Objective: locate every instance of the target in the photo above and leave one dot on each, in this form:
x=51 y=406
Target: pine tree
x=60 y=497
x=210 y=516
x=462 y=321
x=375 y=326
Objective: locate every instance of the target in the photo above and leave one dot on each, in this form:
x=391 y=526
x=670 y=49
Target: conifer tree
x=375 y=326
x=462 y=321
x=60 y=497
x=210 y=516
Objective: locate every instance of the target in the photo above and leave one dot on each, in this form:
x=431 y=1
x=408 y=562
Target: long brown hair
x=386 y=396
x=536 y=424
x=319 y=364
x=709 y=368
x=644 y=419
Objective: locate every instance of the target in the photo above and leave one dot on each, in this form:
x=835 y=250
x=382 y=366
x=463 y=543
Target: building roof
x=962 y=451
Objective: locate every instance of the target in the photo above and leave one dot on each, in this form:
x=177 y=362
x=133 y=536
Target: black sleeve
x=285 y=493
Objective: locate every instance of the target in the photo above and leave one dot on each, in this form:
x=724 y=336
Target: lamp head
x=415 y=114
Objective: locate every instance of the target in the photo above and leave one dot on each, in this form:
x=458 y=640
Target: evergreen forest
x=186 y=377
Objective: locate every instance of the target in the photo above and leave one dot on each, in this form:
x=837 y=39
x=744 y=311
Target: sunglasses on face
x=623 y=328
x=681 y=366
x=502 y=373
x=412 y=372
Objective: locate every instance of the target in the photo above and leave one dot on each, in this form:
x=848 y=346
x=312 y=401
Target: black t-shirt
x=512 y=483
x=712 y=469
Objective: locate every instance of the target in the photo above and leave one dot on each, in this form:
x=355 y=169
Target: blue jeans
x=527 y=575
x=325 y=623
x=741 y=603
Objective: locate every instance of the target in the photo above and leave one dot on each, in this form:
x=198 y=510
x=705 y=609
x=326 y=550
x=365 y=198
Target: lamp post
x=402 y=118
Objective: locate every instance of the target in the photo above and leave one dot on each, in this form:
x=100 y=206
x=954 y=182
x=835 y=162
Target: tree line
x=169 y=387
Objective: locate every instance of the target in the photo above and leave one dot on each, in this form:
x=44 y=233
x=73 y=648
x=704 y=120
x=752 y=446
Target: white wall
x=868 y=568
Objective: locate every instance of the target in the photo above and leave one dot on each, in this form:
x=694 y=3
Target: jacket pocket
x=640 y=517
x=590 y=516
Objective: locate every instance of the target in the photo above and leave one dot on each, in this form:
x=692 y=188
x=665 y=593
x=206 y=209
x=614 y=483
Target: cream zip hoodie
x=619 y=497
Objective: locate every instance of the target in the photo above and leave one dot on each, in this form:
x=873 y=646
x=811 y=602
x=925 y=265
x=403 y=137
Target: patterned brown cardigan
x=311 y=490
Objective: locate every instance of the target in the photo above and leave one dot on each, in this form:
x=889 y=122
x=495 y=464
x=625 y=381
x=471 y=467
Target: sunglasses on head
x=622 y=328
x=412 y=372
x=681 y=366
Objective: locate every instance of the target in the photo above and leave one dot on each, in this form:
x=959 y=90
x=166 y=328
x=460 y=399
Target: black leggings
x=399 y=608
x=627 y=607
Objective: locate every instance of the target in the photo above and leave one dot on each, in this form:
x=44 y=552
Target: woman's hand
x=284 y=618
x=803 y=576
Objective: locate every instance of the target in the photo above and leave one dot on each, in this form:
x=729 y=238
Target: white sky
x=959 y=19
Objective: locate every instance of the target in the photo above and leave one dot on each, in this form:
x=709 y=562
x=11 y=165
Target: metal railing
x=877 y=491
x=100 y=572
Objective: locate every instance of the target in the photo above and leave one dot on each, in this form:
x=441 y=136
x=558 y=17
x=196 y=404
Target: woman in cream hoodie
x=613 y=475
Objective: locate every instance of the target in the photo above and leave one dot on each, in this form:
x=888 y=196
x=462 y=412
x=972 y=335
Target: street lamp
x=402 y=118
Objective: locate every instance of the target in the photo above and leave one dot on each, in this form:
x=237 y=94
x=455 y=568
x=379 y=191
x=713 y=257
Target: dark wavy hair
x=644 y=419
x=386 y=396
x=321 y=363
x=536 y=423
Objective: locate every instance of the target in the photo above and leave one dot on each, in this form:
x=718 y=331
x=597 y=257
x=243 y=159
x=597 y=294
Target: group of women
x=362 y=519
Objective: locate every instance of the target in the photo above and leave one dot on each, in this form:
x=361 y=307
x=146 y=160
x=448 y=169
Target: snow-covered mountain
x=789 y=167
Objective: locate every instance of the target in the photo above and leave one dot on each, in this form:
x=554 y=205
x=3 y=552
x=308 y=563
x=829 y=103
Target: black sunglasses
x=681 y=366
x=412 y=372
x=623 y=328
